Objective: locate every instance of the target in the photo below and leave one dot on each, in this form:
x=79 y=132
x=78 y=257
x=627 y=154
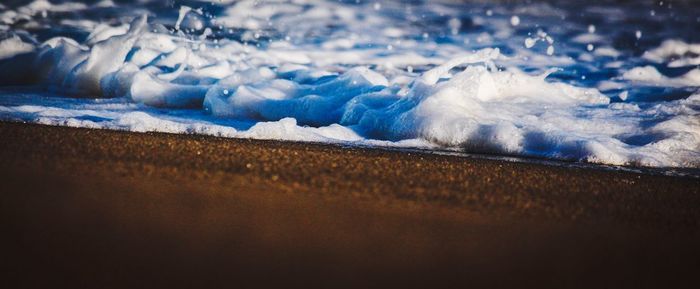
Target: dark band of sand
x=94 y=208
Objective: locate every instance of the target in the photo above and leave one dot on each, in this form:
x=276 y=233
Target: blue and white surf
x=613 y=83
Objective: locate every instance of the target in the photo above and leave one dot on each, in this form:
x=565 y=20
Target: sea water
x=609 y=83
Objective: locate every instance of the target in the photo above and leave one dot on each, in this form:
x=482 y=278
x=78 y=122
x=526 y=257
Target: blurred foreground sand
x=106 y=209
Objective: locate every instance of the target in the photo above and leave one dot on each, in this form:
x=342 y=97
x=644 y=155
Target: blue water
x=607 y=83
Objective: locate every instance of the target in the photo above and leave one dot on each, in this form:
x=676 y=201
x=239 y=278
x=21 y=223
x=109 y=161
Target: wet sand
x=106 y=209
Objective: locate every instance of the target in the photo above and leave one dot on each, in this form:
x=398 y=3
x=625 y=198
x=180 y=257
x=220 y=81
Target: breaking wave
x=503 y=79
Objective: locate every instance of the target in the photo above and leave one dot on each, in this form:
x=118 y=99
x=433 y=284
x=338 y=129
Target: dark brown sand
x=104 y=209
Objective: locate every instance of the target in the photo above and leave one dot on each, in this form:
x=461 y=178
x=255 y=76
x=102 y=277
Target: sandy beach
x=109 y=209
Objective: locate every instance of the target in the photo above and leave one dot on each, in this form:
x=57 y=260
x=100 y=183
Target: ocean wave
x=495 y=79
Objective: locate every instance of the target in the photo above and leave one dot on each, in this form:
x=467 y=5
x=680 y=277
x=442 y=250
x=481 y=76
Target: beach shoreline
x=121 y=209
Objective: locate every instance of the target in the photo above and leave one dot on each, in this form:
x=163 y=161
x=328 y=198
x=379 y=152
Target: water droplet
x=623 y=95
x=550 y=50
x=454 y=25
x=530 y=42
x=515 y=20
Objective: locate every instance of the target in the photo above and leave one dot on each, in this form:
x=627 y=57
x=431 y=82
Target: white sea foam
x=13 y=46
x=677 y=52
x=651 y=76
x=333 y=72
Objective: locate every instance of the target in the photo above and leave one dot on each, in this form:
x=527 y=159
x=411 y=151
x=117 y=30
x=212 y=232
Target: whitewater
x=608 y=83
